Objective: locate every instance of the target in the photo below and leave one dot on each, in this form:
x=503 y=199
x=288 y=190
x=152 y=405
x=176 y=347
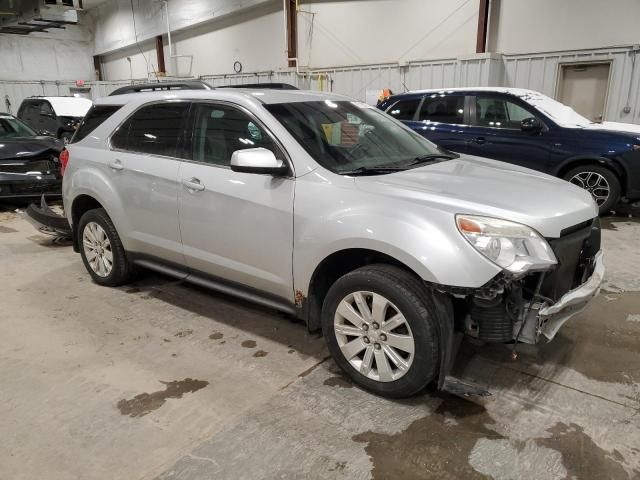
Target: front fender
x=426 y=240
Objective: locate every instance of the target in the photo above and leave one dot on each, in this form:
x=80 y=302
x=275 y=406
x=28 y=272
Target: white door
x=584 y=88
x=235 y=226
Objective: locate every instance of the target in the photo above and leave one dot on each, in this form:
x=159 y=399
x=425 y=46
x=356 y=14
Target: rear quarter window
x=154 y=129
x=93 y=119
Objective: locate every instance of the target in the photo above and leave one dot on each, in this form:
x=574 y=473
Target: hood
x=25 y=147
x=631 y=128
x=475 y=185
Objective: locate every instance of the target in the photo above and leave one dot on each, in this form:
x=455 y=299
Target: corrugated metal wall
x=540 y=72
x=534 y=71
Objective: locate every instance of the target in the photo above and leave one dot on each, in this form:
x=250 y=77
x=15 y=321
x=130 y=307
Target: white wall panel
x=525 y=26
x=114 y=20
x=38 y=58
x=540 y=72
x=337 y=33
x=144 y=63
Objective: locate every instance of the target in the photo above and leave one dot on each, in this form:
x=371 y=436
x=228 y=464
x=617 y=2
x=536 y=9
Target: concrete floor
x=164 y=380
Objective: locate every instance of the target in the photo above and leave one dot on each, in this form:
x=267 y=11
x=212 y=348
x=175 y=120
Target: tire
x=96 y=224
x=590 y=177
x=406 y=295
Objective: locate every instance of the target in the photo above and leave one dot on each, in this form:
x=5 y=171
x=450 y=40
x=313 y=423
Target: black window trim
x=179 y=147
x=506 y=97
x=189 y=133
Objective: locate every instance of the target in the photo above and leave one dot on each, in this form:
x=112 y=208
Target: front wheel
x=600 y=182
x=379 y=324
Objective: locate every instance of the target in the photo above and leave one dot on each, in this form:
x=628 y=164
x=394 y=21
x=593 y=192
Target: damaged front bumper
x=21 y=185
x=46 y=220
x=552 y=317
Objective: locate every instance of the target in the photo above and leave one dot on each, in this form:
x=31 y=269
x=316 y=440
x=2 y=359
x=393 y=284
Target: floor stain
x=338 y=381
x=290 y=351
x=216 y=336
x=4 y=229
x=145 y=403
x=600 y=343
x=260 y=353
x=608 y=223
x=581 y=457
x=436 y=446
x=338 y=467
x=249 y=344
x=183 y=333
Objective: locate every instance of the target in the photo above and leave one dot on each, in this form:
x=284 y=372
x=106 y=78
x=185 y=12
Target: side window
x=33 y=109
x=499 y=113
x=154 y=129
x=93 y=119
x=404 y=109
x=220 y=130
x=45 y=109
x=443 y=109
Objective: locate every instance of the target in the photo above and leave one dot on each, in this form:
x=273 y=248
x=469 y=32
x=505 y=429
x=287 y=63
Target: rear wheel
x=102 y=251
x=600 y=182
x=379 y=324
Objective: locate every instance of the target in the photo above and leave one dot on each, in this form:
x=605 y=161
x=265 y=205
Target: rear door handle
x=480 y=140
x=116 y=165
x=193 y=184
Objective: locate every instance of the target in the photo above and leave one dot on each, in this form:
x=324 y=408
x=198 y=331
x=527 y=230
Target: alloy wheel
x=374 y=336
x=594 y=183
x=97 y=249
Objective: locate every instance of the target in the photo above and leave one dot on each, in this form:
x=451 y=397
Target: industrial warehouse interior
x=319 y=239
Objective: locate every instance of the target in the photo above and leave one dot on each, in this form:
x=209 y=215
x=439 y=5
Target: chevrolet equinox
x=333 y=211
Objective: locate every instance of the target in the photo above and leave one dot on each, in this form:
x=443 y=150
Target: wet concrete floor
x=164 y=380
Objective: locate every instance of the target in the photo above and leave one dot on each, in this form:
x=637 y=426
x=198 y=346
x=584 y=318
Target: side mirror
x=531 y=124
x=257 y=160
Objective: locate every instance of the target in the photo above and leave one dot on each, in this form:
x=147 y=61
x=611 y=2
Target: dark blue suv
x=527 y=128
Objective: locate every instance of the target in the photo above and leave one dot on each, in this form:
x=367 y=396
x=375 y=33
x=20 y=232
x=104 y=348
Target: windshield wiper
x=372 y=170
x=433 y=158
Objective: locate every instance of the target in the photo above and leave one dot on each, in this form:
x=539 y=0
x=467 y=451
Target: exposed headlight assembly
x=513 y=246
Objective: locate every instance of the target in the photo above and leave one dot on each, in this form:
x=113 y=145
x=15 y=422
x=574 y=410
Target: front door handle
x=480 y=140
x=193 y=184
x=116 y=165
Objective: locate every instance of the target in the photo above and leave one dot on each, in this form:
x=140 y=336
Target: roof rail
x=160 y=86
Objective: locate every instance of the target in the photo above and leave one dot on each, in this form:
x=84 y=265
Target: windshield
x=12 y=127
x=346 y=136
x=562 y=114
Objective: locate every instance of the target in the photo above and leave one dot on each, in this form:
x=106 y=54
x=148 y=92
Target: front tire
x=603 y=185
x=379 y=324
x=101 y=249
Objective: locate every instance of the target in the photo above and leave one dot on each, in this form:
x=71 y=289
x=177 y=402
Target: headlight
x=513 y=246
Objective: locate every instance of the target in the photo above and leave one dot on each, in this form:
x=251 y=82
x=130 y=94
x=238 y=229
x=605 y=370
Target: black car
x=29 y=165
x=55 y=116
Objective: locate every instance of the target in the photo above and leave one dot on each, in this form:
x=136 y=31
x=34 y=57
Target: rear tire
x=602 y=183
x=397 y=353
x=101 y=249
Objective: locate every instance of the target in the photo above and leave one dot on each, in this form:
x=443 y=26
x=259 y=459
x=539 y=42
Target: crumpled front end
x=534 y=307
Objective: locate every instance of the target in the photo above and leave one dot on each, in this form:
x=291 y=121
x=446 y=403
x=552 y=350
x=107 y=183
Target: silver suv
x=330 y=210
